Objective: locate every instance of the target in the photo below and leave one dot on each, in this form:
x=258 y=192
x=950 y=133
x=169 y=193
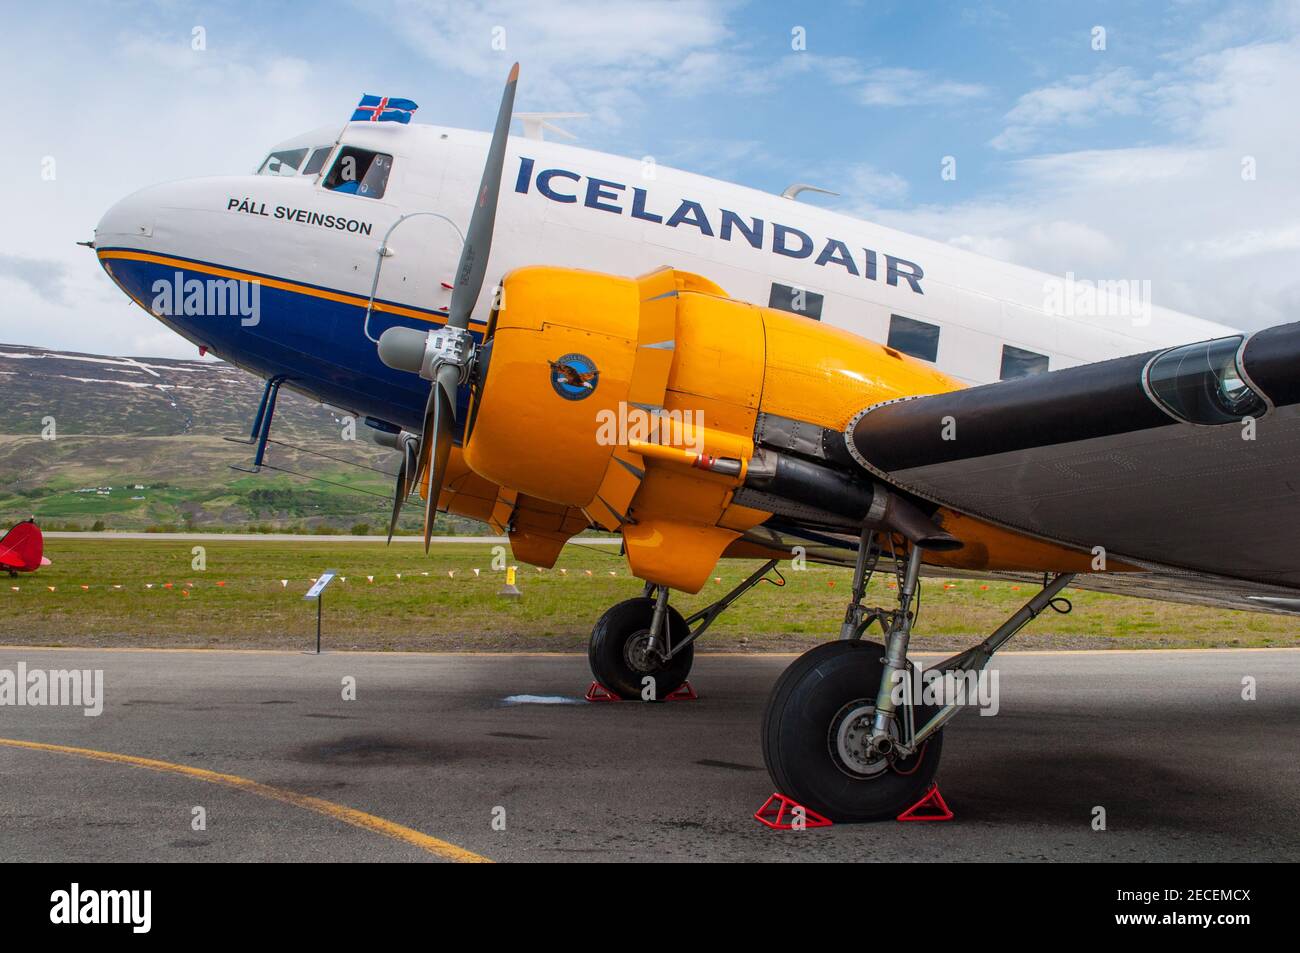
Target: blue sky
x=1119 y=163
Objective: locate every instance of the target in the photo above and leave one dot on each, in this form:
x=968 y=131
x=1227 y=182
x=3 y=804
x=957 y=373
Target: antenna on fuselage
x=536 y=125
x=792 y=192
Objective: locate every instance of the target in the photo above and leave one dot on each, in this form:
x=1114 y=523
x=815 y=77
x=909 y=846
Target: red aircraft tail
x=22 y=548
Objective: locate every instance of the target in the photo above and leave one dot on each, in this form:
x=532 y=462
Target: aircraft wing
x=1184 y=463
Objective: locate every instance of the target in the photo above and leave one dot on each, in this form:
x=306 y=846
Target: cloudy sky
x=1122 y=162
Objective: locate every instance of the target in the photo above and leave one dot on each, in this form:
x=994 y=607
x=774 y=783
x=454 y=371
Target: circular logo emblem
x=574 y=376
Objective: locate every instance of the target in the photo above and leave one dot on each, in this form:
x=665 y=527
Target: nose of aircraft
x=131 y=220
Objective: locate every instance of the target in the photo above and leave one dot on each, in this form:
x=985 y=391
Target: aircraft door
x=413 y=270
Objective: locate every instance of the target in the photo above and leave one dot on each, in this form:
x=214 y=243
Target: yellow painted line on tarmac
x=339 y=812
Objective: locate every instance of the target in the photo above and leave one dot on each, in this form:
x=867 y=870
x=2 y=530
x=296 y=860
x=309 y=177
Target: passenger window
x=1017 y=362
x=360 y=172
x=913 y=337
x=283 y=163
x=317 y=160
x=1202 y=384
x=796 y=300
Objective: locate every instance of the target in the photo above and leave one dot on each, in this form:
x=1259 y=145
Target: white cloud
x=41 y=276
x=1248 y=244
x=137 y=108
x=867 y=184
x=876 y=86
x=599 y=56
x=1112 y=168
x=1076 y=101
x=1179 y=213
x=900 y=86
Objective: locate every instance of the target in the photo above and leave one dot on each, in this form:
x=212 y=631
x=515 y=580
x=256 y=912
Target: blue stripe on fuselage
x=318 y=344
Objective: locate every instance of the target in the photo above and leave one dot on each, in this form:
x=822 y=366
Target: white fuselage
x=573 y=207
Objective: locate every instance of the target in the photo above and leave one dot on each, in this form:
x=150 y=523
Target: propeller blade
x=399 y=497
x=478 y=238
x=407 y=477
x=411 y=464
x=437 y=440
x=406 y=348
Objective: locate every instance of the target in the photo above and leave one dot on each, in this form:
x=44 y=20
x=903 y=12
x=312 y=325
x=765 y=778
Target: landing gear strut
x=643 y=648
x=841 y=733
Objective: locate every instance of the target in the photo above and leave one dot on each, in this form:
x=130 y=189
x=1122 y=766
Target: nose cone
x=135 y=236
x=130 y=222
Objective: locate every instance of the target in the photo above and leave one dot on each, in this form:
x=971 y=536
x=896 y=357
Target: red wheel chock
x=779 y=813
x=683 y=693
x=931 y=807
x=599 y=693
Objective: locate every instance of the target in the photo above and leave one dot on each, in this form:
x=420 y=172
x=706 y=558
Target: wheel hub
x=849 y=741
x=636 y=652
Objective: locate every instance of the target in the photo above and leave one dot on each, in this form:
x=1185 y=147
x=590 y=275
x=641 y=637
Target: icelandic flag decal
x=384 y=109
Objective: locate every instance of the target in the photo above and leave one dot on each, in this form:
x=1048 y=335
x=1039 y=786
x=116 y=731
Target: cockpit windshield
x=283 y=163
x=291 y=161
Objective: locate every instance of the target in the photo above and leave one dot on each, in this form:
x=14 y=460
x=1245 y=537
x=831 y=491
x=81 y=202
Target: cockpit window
x=317 y=160
x=1202 y=383
x=360 y=172
x=283 y=163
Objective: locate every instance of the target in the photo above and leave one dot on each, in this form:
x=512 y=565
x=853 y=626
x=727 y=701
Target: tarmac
x=465 y=757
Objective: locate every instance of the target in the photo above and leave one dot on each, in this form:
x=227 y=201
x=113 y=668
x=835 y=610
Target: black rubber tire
x=796 y=745
x=609 y=662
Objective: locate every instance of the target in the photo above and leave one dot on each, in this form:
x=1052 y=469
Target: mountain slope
x=138 y=443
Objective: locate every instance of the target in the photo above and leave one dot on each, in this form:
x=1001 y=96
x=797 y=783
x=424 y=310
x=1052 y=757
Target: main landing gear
x=643 y=648
x=841 y=734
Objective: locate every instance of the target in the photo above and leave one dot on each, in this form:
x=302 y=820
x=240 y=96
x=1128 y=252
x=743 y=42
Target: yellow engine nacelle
x=633 y=402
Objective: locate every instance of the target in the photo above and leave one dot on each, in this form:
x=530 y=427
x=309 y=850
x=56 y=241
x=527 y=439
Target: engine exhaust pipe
x=812 y=484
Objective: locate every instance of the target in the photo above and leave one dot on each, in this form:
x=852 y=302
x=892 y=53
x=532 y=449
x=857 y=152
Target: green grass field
x=252 y=609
